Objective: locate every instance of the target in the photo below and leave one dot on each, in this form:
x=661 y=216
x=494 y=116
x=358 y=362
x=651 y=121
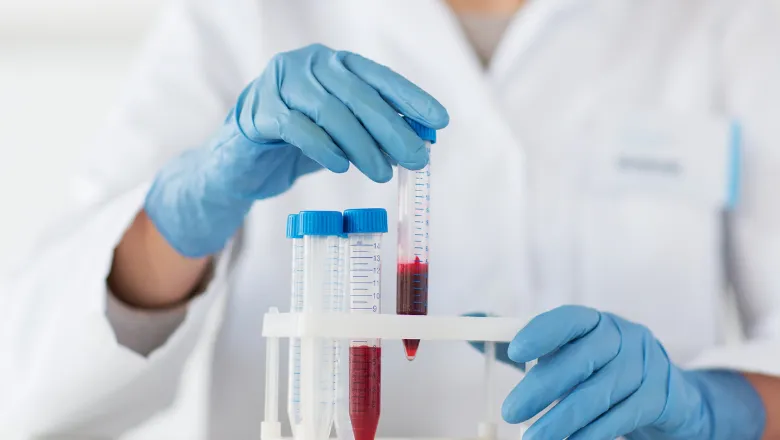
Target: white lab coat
x=532 y=205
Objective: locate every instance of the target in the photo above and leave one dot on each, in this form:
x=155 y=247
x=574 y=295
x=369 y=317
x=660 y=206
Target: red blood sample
x=411 y=346
x=365 y=385
x=412 y=296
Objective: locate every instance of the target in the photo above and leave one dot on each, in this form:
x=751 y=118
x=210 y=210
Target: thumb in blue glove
x=612 y=378
x=310 y=109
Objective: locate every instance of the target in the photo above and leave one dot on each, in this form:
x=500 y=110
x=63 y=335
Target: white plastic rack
x=345 y=326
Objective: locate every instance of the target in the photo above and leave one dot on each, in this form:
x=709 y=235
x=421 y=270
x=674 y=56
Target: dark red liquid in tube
x=412 y=296
x=365 y=384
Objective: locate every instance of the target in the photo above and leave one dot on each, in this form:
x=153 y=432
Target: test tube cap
x=320 y=223
x=365 y=221
x=292 y=226
x=425 y=133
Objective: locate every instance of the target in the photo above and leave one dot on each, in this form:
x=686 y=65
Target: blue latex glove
x=613 y=378
x=311 y=108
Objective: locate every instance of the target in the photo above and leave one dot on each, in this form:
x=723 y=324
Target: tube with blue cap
x=296 y=306
x=321 y=231
x=364 y=229
x=414 y=212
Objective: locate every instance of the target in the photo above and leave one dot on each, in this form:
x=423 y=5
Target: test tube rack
x=277 y=326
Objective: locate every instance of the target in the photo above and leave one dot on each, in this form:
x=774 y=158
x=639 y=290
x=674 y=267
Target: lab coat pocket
x=694 y=159
x=653 y=188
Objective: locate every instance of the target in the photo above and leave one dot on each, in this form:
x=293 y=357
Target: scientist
x=609 y=166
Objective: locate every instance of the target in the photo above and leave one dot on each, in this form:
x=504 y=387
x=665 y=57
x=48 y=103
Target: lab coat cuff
x=144 y=331
x=758 y=357
x=126 y=325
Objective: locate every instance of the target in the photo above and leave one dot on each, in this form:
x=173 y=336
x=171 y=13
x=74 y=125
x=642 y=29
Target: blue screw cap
x=425 y=133
x=292 y=226
x=320 y=223
x=365 y=221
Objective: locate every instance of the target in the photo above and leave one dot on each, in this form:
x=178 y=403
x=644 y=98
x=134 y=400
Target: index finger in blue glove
x=340 y=122
x=595 y=395
x=551 y=330
x=557 y=373
x=392 y=134
x=289 y=125
x=403 y=95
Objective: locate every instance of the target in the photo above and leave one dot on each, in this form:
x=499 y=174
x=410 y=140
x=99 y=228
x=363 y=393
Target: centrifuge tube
x=296 y=306
x=341 y=417
x=413 y=223
x=364 y=229
x=321 y=232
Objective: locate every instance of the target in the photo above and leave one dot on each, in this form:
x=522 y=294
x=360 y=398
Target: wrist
x=147 y=273
x=721 y=405
x=686 y=414
x=195 y=216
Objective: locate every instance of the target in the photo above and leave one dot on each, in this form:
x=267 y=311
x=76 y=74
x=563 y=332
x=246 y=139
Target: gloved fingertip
x=519 y=352
x=417 y=159
x=438 y=117
x=502 y=354
x=508 y=412
x=429 y=112
x=384 y=179
x=341 y=170
x=380 y=175
x=337 y=166
x=413 y=166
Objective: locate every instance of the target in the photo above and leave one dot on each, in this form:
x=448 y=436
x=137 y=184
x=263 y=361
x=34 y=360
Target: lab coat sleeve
x=62 y=370
x=143 y=330
x=751 y=84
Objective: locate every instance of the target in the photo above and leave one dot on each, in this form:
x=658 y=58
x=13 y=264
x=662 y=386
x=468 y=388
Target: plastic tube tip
x=410 y=348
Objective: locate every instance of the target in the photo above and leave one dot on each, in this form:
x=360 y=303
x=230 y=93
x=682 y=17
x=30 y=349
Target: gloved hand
x=613 y=378
x=311 y=108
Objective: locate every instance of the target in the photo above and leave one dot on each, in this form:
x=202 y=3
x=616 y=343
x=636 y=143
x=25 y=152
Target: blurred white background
x=62 y=64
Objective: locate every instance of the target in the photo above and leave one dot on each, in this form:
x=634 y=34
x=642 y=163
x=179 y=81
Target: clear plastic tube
x=364 y=229
x=413 y=225
x=365 y=355
x=341 y=419
x=320 y=232
x=296 y=306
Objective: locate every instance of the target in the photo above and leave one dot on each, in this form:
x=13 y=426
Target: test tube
x=341 y=418
x=296 y=306
x=321 y=232
x=364 y=229
x=413 y=223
